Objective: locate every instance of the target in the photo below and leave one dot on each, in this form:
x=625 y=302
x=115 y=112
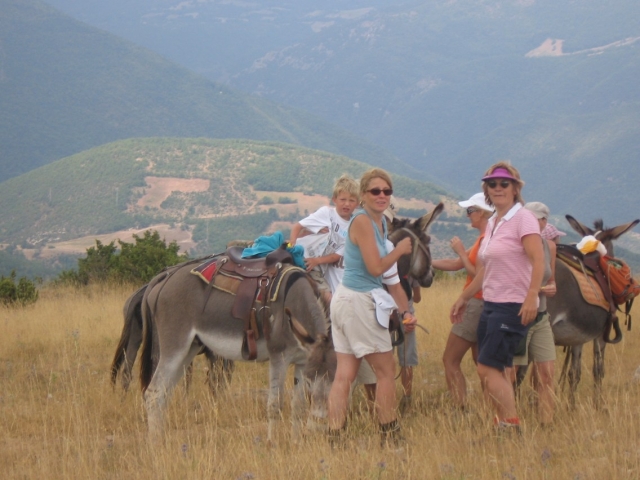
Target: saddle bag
x=623 y=287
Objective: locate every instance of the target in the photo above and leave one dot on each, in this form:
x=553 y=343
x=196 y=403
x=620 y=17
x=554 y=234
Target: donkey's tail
x=132 y=319
x=147 y=356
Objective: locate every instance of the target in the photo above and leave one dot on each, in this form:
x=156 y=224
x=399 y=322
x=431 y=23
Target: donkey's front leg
x=277 y=374
x=298 y=403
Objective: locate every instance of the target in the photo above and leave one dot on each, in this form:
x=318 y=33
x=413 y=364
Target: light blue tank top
x=356 y=277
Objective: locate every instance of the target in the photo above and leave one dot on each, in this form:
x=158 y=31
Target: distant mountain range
x=66 y=87
x=447 y=86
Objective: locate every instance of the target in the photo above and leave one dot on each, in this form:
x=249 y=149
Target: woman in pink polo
x=509 y=271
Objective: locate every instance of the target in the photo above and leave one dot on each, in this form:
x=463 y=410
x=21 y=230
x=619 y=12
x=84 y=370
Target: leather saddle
x=254 y=267
x=256 y=277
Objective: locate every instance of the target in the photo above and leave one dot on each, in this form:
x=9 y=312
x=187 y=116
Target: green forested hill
x=66 y=87
x=143 y=183
x=98 y=191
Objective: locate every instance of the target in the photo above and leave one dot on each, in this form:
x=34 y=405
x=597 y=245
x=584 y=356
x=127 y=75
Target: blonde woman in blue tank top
x=359 y=330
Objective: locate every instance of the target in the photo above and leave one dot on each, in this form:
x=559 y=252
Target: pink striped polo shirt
x=507 y=269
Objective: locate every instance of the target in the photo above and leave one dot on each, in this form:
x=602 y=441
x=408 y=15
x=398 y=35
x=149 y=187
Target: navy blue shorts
x=499 y=333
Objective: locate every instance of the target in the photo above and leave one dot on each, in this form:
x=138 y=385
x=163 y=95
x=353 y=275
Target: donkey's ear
x=424 y=222
x=579 y=227
x=621 y=229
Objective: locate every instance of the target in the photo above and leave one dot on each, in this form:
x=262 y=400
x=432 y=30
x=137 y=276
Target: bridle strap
x=417 y=244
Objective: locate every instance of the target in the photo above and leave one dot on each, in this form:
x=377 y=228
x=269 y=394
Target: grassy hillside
x=188 y=182
x=62 y=419
x=66 y=87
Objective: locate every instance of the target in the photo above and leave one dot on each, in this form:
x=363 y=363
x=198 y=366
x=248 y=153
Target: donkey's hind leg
x=598 y=370
x=167 y=374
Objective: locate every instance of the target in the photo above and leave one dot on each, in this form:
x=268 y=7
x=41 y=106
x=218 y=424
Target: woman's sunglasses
x=377 y=191
x=494 y=183
x=471 y=210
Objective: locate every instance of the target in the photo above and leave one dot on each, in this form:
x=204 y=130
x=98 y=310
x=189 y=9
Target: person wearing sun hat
x=538 y=346
x=509 y=271
x=550 y=232
x=541 y=211
x=463 y=336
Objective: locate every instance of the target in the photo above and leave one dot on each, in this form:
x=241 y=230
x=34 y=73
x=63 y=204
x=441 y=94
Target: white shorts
x=354 y=327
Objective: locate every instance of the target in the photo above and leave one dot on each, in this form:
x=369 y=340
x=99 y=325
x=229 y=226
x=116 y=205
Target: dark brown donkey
x=576 y=322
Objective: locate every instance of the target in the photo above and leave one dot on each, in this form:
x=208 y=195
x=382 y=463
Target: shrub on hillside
x=266 y=201
x=22 y=293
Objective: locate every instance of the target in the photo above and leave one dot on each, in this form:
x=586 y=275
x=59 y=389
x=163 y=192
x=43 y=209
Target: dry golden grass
x=61 y=418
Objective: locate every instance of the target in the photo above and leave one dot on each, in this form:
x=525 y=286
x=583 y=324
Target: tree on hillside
x=136 y=262
x=98 y=264
x=141 y=261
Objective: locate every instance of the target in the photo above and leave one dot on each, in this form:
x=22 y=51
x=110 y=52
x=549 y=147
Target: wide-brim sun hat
x=550 y=232
x=477 y=200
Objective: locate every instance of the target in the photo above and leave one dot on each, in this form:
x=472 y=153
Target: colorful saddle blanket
x=591 y=291
x=211 y=273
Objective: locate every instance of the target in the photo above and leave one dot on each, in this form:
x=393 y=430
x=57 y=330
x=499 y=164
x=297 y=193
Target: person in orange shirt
x=463 y=336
